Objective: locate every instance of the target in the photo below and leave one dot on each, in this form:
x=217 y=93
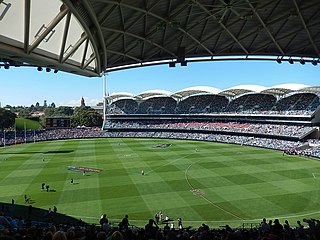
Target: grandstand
x=272 y=105
x=304 y=100
x=284 y=113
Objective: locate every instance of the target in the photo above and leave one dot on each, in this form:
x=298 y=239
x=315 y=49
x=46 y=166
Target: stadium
x=205 y=158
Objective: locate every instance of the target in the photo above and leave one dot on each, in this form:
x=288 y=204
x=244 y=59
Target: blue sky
x=25 y=86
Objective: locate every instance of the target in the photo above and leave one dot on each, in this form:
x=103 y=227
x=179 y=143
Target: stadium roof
x=230 y=92
x=120 y=95
x=89 y=37
x=241 y=89
x=284 y=88
x=195 y=90
x=153 y=93
x=314 y=89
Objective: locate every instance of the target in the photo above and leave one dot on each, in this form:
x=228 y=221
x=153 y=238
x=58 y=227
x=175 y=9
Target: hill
x=30 y=124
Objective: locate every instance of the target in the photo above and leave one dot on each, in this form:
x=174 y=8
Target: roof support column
x=104 y=98
x=27 y=8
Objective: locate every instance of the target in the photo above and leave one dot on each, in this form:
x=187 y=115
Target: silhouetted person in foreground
x=124 y=224
x=151 y=229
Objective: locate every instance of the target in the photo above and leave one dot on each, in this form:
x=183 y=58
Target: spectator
x=151 y=229
x=124 y=224
x=277 y=228
x=101 y=235
x=116 y=236
x=59 y=236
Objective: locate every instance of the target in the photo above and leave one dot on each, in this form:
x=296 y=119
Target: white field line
x=206 y=199
x=174 y=160
x=239 y=219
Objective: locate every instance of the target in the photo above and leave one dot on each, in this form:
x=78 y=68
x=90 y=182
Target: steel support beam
x=51 y=26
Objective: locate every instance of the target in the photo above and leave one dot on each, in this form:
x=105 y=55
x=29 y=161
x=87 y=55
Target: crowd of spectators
x=157 y=105
x=154 y=131
x=241 y=140
x=202 y=104
x=250 y=103
x=123 y=106
x=268 y=128
x=313 y=149
x=298 y=102
x=12 y=228
x=18 y=137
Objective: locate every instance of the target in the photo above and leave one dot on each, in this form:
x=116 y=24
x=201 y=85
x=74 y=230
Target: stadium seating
x=12 y=228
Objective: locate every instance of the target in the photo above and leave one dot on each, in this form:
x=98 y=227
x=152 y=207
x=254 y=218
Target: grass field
x=30 y=124
x=199 y=181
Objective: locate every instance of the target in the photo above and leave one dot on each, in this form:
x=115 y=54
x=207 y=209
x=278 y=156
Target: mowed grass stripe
x=51 y=174
x=277 y=178
x=125 y=155
x=86 y=188
x=252 y=182
x=154 y=190
x=178 y=206
x=245 y=176
x=223 y=197
x=233 y=191
x=147 y=189
x=284 y=185
x=14 y=189
x=12 y=157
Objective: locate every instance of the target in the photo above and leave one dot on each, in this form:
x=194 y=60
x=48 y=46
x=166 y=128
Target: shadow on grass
x=35 y=214
x=48 y=152
x=59 y=151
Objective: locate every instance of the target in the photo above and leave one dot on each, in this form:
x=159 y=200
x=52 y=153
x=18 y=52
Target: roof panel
x=14 y=14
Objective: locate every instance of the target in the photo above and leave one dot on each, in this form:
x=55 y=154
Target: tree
x=32 y=108
x=64 y=111
x=49 y=112
x=86 y=116
x=7 y=118
x=23 y=112
x=53 y=105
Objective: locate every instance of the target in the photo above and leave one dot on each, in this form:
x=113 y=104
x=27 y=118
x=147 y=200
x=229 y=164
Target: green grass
x=30 y=124
x=218 y=184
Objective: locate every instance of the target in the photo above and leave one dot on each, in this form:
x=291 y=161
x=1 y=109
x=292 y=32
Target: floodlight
x=290 y=61
x=172 y=64
x=302 y=61
x=314 y=62
x=279 y=60
x=6 y=66
x=55 y=71
x=39 y=69
x=48 y=69
x=184 y=63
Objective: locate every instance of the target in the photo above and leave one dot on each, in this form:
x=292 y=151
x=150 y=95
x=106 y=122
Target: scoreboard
x=58 y=122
